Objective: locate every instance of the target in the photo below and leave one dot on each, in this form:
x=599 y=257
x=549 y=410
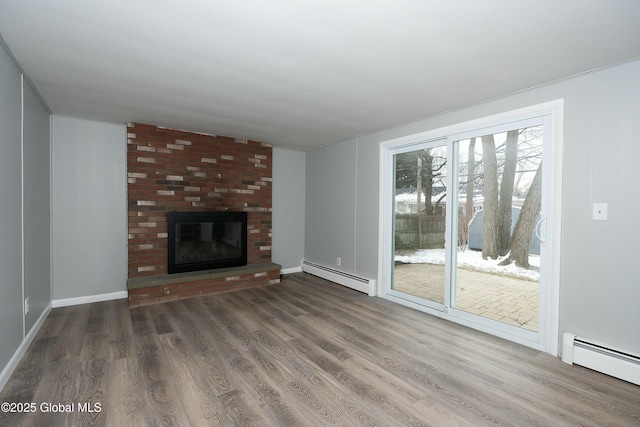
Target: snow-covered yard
x=472 y=260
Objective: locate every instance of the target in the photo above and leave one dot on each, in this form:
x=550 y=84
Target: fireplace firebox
x=206 y=240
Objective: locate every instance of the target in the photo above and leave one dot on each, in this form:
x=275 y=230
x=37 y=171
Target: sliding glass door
x=420 y=223
x=467 y=231
x=496 y=261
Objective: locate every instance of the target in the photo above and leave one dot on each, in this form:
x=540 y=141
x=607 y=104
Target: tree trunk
x=490 y=227
x=419 y=201
x=427 y=168
x=463 y=224
x=506 y=191
x=471 y=179
x=519 y=248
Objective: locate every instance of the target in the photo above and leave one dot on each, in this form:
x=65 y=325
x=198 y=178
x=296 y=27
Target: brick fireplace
x=171 y=170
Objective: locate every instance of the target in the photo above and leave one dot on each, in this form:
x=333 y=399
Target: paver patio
x=506 y=299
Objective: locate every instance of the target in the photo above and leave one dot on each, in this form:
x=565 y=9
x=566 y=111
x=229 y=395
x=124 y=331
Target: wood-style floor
x=305 y=352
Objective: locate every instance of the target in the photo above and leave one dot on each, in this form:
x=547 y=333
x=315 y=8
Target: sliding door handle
x=538 y=229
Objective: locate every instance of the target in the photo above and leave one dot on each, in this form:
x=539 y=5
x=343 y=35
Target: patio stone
x=506 y=299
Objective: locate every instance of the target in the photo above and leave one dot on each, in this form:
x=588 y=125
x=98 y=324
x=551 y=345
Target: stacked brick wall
x=170 y=170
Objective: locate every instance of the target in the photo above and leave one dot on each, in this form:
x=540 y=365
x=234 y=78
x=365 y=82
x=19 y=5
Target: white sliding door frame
x=551 y=114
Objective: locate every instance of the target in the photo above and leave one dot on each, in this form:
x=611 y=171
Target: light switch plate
x=600 y=211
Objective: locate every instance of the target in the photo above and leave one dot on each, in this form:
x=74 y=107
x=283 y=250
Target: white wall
x=89 y=213
x=288 y=208
x=342 y=197
x=37 y=206
x=24 y=209
x=11 y=316
x=600 y=287
x=331 y=206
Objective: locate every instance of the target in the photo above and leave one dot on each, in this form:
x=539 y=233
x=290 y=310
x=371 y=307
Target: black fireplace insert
x=206 y=240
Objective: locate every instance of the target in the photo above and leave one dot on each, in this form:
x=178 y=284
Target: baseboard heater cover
x=368 y=286
x=601 y=358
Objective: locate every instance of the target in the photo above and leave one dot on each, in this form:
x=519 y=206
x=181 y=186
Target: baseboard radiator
x=368 y=286
x=601 y=358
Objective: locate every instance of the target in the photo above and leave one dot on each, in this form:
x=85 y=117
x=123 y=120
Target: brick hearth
x=149 y=290
x=170 y=170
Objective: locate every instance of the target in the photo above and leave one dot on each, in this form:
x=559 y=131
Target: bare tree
x=490 y=248
x=521 y=240
x=506 y=191
x=471 y=176
x=427 y=176
x=417 y=168
x=463 y=221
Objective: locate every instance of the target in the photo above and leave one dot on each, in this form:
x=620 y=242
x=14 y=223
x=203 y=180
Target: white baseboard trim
x=291 y=270
x=88 y=299
x=26 y=342
x=362 y=284
x=601 y=357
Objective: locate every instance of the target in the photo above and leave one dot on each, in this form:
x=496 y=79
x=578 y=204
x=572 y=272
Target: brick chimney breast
x=171 y=170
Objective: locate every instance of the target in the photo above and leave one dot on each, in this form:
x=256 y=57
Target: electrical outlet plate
x=600 y=211
x=338 y=261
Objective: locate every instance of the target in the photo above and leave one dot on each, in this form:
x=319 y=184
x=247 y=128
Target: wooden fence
x=432 y=229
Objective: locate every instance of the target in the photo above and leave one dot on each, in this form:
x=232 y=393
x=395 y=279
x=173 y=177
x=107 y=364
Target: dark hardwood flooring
x=305 y=352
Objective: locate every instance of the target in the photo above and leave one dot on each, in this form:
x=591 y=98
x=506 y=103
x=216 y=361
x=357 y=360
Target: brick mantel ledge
x=168 y=287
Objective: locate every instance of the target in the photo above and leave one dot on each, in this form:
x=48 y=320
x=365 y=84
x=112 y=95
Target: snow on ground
x=472 y=259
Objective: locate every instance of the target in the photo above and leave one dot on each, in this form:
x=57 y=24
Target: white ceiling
x=302 y=74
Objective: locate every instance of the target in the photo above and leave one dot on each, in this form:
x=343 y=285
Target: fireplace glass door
x=206 y=240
